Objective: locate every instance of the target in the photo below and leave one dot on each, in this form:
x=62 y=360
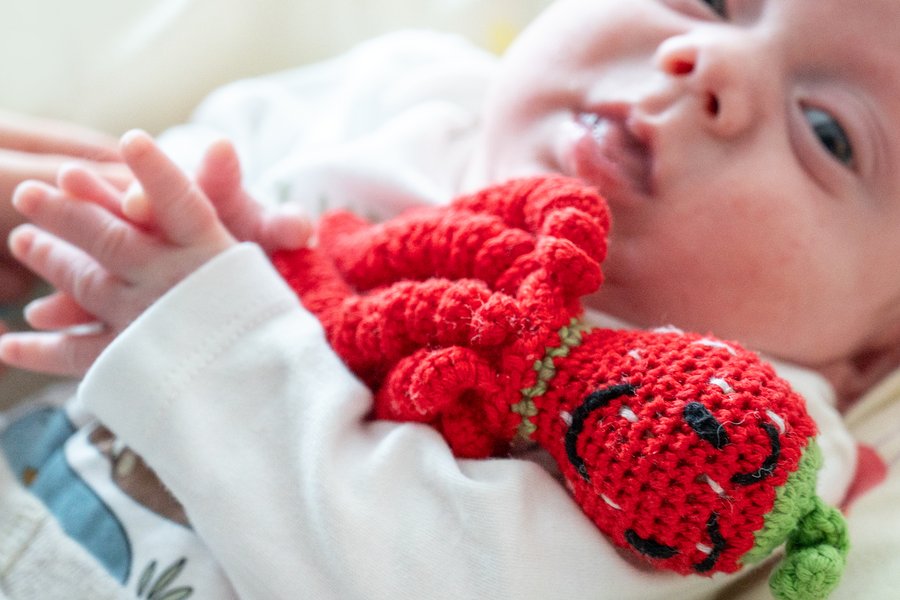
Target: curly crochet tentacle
x=393 y=322
x=374 y=331
x=560 y=264
x=314 y=279
x=553 y=206
x=421 y=244
x=494 y=235
x=455 y=390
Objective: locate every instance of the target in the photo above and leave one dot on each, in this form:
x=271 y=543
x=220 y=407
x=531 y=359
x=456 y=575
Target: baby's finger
x=117 y=245
x=179 y=209
x=283 y=230
x=69 y=270
x=56 y=311
x=136 y=206
x=86 y=185
x=16 y=166
x=54 y=353
x=116 y=174
x=219 y=176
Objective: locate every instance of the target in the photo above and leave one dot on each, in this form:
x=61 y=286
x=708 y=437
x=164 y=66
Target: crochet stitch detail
x=817 y=537
x=569 y=337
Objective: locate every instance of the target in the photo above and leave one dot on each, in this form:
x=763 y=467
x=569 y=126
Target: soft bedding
x=146 y=63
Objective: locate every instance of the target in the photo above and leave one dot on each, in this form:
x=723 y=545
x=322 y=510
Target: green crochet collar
x=570 y=336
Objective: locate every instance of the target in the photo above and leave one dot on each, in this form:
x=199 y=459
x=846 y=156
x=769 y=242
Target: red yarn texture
x=673 y=444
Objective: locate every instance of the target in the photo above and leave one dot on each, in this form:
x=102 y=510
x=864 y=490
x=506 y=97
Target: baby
x=745 y=150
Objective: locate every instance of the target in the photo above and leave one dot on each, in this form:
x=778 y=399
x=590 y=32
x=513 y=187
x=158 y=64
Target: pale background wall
x=117 y=64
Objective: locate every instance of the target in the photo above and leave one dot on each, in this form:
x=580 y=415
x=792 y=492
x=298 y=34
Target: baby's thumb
x=816 y=553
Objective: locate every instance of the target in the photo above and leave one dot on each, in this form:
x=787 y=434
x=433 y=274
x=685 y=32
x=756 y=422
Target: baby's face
x=751 y=161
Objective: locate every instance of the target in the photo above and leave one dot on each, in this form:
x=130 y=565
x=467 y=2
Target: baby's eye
x=830 y=134
x=718 y=6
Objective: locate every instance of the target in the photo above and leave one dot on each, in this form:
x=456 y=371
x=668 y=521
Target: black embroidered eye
x=830 y=134
x=719 y=7
x=594 y=401
x=705 y=424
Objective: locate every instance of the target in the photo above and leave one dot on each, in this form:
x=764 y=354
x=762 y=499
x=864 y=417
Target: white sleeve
x=228 y=389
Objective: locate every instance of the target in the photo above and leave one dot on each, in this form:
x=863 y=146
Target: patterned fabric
x=106 y=499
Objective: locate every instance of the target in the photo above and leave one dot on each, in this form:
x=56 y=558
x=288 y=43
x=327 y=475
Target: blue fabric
x=34 y=448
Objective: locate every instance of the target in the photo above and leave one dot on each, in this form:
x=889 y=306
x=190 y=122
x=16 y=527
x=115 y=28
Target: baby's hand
x=107 y=269
x=34 y=148
x=219 y=177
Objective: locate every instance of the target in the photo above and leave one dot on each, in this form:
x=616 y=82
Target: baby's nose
x=730 y=89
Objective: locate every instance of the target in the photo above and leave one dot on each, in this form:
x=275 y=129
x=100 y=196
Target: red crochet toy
x=685 y=449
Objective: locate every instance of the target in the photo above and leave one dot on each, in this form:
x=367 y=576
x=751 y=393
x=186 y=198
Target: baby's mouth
x=611 y=156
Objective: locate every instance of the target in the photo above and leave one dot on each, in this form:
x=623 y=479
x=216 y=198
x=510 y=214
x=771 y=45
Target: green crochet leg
x=816 y=552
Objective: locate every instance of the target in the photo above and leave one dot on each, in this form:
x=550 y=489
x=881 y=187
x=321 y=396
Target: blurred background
x=116 y=64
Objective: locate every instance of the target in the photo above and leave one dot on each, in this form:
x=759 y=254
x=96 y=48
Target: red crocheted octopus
x=688 y=450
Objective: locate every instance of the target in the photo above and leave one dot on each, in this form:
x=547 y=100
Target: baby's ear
x=864 y=370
